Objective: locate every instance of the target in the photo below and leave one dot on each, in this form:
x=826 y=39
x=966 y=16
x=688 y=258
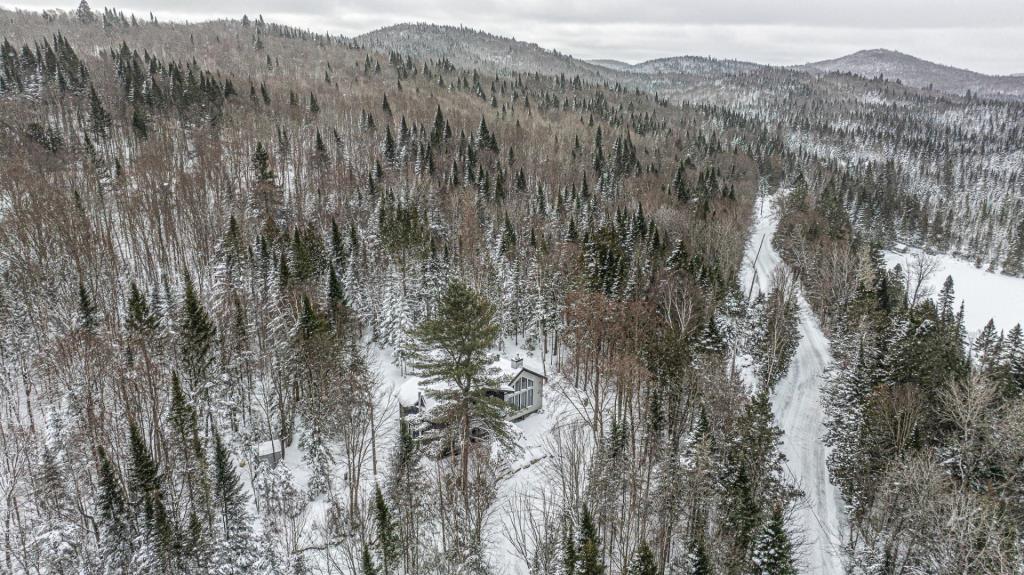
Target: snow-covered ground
x=797 y=408
x=986 y=295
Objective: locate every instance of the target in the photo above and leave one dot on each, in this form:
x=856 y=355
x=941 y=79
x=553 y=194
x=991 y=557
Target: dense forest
x=223 y=235
x=936 y=170
x=924 y=420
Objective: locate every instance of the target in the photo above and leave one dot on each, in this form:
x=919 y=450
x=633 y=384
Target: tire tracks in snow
x=796 y=405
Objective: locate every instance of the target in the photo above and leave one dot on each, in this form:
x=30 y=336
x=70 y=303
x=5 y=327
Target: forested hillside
x=260 y=290
x=218 y=235
x=923 y=167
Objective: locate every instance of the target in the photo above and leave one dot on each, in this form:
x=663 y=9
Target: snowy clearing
x=986 y=295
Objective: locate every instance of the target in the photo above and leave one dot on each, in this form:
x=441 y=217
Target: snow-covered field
x=797 y=408
x=986 y=295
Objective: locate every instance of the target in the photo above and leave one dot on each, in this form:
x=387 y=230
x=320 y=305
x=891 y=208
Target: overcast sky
x=983 y=35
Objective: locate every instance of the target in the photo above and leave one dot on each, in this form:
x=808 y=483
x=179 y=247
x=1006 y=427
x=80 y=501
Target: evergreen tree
x=197 y=334
x=697 y=557
x=367 y=566
x=1013 y=354
x=1014 y=262
x=568 y=548
x=185 y=426
x=643 y=563
x=452 y=348
x=99 y=119
x=946 y=300
x=589 y=559
x=405 y=488
x=84 y=12
x=484 y=138
x=158 y=551
x=773 y=551
x=987 y=347
x=437 y=132
x=679 y=188
x=320 y=149
x=775 y=330
x=387 y=537
x=261 y=164
x=139 y=124
x=388 y=147
x=598 y=152
x=116 y=538
x=234 y=553
x=87 y=320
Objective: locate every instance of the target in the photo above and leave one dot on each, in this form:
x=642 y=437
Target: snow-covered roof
x=504 y=366
x=268 y=448
x=409 y=392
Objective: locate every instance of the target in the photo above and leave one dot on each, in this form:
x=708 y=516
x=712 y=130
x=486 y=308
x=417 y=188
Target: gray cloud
x=984 y=35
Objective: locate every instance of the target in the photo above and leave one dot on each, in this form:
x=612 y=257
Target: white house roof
x=268 y=448
x=409 y=392
x=504 y=366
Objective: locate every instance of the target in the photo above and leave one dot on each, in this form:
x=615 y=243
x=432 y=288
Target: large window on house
x=522 y=394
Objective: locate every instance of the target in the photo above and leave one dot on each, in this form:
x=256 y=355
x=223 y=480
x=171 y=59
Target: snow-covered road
x=797 y=408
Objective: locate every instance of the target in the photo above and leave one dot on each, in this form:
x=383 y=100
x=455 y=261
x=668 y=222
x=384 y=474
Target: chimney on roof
x=517 y=362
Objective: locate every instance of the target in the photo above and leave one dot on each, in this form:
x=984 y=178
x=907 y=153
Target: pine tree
x=387 y=537
x=568 y=548
x=1013 y=359
x=367 y=566
x=437 y=132
x=679 y=188
x=388 y=147
x=743 y=514
x=773 y=551
x=336 y=301
x=987 y=347
x=405 y=488
x=87 y=320
x=234 y=553
x=261 y=164
x=946 y=300
x=775 y=330
x=139 y=124
x=197 y=334
x=589 y=559
x=226 y=485
x=84 y=12
x=320 y=152
x=697 y=557
x=643 y=563
x=98 y=117
x=159 y=551
x=113 y=523
x=1014 y=262
x=484 y=138
x=462 y=330
x=185 y=425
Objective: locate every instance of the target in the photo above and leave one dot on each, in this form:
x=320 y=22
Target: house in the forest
x=522 y=388
x=270 y=452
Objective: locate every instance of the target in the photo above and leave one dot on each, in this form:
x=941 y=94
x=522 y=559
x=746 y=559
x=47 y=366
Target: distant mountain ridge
x=475 y=49
x=919 y=73
x=468 y=48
